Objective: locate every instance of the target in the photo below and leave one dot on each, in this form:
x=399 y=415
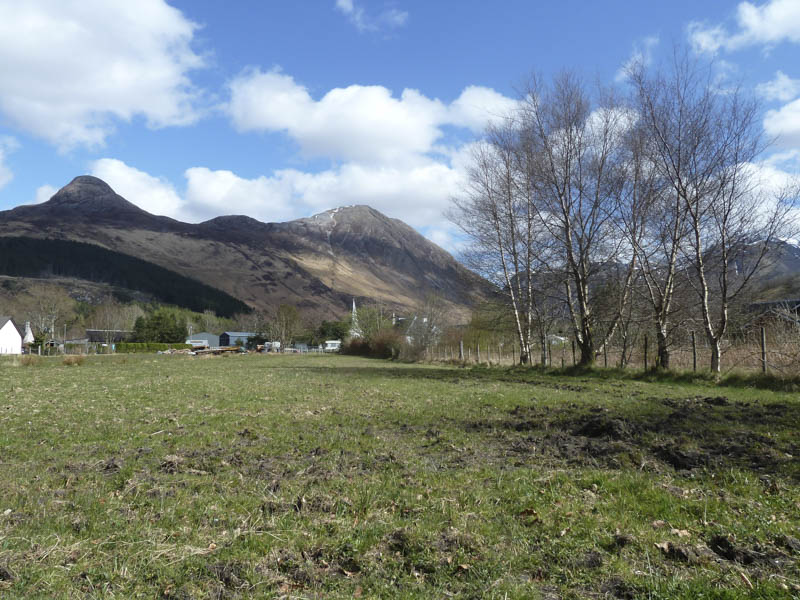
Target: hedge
x=133 y=347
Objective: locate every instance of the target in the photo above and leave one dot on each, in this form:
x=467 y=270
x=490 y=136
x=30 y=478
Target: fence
x=759 y=350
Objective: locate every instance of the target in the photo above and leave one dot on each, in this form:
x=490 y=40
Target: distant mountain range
x=318 y=264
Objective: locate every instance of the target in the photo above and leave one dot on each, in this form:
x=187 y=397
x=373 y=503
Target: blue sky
x=280 y=109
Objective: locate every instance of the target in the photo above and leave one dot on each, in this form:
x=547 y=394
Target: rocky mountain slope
x=318 y=264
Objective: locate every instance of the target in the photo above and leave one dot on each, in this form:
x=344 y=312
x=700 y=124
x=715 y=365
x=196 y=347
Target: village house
x=10 y=337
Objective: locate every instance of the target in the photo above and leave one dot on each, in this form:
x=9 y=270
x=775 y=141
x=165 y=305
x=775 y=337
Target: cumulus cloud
x=782 y=88
x=154 y=194
x=362 y=123
x=771 y=23
x=784 y=124
x=212 y=193
x=7 y=145
x=417 y=194
x=642 y=55
x=44 y=193
x=73 y=67
x=389 y=18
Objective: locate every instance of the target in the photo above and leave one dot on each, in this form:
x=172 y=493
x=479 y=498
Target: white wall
x=10 y=339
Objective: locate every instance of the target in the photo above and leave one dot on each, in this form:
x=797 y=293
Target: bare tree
x=427 y=325
x=49 y=307
x=285 y=325
x=714 y=215
x=499 y=222
x=579 y=187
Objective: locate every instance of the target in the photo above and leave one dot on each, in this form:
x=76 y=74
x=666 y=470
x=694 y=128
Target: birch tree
x=716 y=217
x=580 y=185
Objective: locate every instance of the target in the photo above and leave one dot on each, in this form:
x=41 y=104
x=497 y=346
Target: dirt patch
x=603 y=426
x=701 y=432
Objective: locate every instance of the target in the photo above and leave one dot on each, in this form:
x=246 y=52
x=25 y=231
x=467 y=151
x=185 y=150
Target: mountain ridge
x=319 y=262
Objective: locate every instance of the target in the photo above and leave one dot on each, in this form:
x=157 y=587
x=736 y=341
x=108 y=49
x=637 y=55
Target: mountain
x=318 y=263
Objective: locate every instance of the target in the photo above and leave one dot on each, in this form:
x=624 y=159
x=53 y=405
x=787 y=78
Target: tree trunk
x=586 y=346
x=662 y=360
x=715 y=356
x=543 y=341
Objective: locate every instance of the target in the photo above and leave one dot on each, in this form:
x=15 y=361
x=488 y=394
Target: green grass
x=339 y=477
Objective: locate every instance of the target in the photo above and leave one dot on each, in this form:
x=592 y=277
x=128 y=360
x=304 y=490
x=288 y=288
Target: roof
x=4 y=320
x=239 y=334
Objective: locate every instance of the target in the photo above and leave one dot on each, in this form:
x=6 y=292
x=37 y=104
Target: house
x=10 y=337
x=198 y=340
x=235 y=338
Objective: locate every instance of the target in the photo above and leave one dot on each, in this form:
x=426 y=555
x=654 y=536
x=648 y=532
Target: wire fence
x=777 y=353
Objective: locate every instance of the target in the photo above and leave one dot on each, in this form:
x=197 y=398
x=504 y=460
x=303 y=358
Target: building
x=235 y=338
x=198 y=340
x=10 y=337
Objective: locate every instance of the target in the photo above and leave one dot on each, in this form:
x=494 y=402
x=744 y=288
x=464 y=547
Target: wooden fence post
x=645 y=352
x=478 y=353
x=605 y=355
x=763 y=350
x=694 y=352
x=573 y=353
x=461 y=350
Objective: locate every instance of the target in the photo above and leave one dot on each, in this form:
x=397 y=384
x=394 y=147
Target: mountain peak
x=90 y=195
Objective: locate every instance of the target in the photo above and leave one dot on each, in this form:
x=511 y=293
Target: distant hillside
x=31 y=257
x=318 y=264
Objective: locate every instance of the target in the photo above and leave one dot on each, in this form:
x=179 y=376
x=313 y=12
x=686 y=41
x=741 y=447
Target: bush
x=139 y=347
x=385 y=343
x=73 y=360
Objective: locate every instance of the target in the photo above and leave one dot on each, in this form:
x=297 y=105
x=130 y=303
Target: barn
x=230 y=338
x=203 y=339
x=10 y=337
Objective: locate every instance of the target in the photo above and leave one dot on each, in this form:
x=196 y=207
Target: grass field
x=338 y=477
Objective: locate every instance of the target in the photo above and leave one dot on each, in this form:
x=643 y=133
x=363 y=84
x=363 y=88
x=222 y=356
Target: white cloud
x=44 y=193
x=363 y=123
x=72 y=67
x=417 y=195
x=771 y=23
x=642 y=54
x=8 y=145
x=782 y=88
x=784 y=124
x=389 y=18
x=478 y=105
x=213 y=193
x=156 y=195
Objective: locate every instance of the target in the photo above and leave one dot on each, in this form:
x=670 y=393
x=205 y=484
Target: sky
x=281 y=109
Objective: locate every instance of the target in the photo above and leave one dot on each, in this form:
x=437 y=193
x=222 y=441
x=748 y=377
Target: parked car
x=332 y=346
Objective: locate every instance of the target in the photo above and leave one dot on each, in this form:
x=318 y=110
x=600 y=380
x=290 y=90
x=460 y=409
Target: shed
x=203 y=339
x=10 y=337
x=232 y=338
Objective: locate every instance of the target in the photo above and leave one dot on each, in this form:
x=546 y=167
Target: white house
x=10 y=337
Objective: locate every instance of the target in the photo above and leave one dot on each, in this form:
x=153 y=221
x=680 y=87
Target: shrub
x=73 y=360
x=385 y=343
